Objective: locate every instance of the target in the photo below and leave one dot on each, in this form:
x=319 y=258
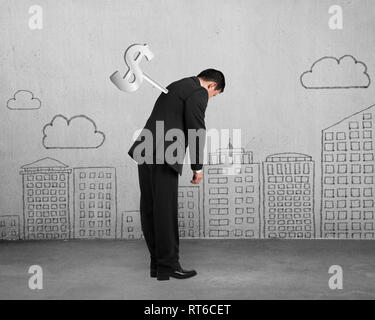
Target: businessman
x=181 y=110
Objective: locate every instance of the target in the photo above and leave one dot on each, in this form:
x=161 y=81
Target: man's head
x=213 y=80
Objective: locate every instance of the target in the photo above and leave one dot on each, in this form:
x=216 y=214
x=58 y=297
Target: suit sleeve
x=195 y=109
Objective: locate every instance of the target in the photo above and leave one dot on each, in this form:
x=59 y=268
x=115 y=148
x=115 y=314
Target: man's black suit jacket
x=183 y=108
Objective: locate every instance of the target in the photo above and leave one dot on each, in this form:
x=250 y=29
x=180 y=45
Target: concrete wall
x=266 y=50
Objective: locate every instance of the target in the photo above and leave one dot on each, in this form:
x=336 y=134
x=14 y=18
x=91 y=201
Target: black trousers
x=159 y=208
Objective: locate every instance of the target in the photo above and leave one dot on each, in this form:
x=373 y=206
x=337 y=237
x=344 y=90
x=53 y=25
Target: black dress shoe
x=153 y=273
x=177 y=274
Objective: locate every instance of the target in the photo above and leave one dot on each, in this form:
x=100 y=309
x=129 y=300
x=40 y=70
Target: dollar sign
x=133 y=56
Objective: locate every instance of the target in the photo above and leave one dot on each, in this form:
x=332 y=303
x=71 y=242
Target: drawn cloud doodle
x=78 y=132
x=332 y=73
x=23 y=100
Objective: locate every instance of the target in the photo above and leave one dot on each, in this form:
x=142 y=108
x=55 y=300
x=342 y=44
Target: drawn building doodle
x=46 y=192
x=231 y=199
x=347 y=185
x=95 y=202
x=288 y=196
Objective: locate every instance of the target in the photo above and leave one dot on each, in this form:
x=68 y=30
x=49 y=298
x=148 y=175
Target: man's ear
x=212 y=85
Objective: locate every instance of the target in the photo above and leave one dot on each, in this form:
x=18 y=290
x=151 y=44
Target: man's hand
x=197 y=177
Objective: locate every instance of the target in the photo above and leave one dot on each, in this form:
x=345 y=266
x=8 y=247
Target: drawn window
x=342 y=180
x=355 y=203
x=272 y=179
x=368 y=215
x=367 y=116
x=329 y=193
x=249 y=199
x=368 y=168
x=288 y=179
x=250 y=189
x=341 y=203
x=238 y=220
x=223 y=190
x=279 y=168
x=355 y=157
x=297 y=168
x=366 y=124
x=239 y=210
x=238 y=200
x=342 y=168
x=354 y=134
x=213 y=191
x=355 y=192
x=368 y=157
x=341 y=192
x=367 y=192
x=329 y=147
x=355 y=168
x=82 y=175
x=329 y=168
x=356 y=180
x=369 y=180
x=327 y=158
x=354 y=146
x=340 y=136
x=367 y=134
x=249 y=170
x=92 y=175
x=249 y=179
x=341 y=146
x=306 y=168
x=353 y=125
x=250 y=210
x=328 y=136
x=367 y=145
x=341 y=157
x=239 y=189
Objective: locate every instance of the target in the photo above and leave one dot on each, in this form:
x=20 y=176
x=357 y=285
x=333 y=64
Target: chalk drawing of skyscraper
x=288 y=196
x=46 y=199
x=231 y=195
x=348 y=189
x=95 y=202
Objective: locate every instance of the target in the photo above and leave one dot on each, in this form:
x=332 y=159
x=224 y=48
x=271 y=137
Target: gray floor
x=227 y=269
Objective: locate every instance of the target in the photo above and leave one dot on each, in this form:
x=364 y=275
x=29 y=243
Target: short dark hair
x=214 y=75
